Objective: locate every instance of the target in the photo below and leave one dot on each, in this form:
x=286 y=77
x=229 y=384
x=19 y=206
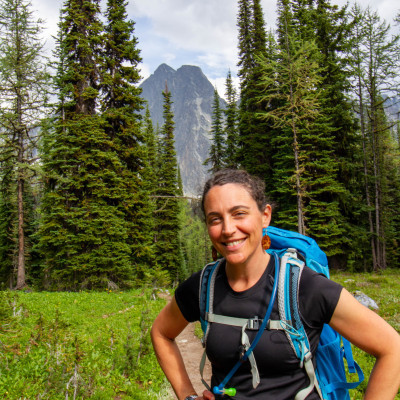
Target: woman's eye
x=214 y=220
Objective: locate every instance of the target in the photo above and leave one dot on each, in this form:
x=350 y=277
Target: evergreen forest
x=90 y=190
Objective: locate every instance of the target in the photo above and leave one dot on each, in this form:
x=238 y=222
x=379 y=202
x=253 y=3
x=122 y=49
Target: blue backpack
x=329 y=377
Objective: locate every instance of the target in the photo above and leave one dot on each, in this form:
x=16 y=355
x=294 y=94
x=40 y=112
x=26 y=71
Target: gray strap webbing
x=252 y=360
x=309 y=367
x=249 y=322
x=202 y=364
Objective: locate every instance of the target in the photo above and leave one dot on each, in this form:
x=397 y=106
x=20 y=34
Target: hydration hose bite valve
x=228 y=391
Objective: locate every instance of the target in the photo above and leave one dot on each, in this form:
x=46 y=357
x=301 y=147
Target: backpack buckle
x=254 y=323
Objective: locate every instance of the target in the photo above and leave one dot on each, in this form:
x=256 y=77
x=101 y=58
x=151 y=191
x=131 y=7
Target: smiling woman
x=235 y=222
x=236 y=212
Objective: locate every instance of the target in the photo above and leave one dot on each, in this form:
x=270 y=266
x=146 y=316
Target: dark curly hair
x=253 y=184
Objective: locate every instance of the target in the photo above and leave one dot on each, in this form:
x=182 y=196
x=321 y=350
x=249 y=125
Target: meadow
x=79 y=345
x=384 y=288
x=96 y=344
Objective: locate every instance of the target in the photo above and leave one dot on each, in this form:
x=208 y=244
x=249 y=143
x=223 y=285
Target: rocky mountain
x=192 y=95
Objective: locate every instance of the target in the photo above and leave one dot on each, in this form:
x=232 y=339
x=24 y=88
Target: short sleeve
x=318 y=297
x=187 y=297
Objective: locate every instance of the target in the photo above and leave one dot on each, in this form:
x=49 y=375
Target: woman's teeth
x=235 y=243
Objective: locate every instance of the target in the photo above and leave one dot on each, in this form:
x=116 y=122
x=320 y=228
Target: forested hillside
x=91 y=192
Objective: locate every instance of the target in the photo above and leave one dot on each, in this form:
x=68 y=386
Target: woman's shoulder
x=187 y=296
x=318 y=296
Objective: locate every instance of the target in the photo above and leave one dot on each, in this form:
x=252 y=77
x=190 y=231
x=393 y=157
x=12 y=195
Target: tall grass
x=78 y=346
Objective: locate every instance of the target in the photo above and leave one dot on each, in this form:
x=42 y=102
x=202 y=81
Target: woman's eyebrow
x=230 y=210
x=238 y=207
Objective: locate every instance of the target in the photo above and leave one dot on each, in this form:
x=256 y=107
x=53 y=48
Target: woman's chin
x=234 y=259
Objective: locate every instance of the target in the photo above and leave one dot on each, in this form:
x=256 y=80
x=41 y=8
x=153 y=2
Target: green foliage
x=23 y=98
x=254 y=150
x=88 y=345
x=196 y=244
x=217 y=148
x=84 y=234
x=375 y=68
x=231 y=124
x=384 y=289
x=168 y=226
x=96 y=202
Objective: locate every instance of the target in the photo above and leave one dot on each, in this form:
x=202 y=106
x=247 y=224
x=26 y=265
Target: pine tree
x=254 y=153
x=304 y=177
x=374 y=70
x=325 y=25
x=84 y=234
x=332 y=35
x=168 y=252
x=149 y=177
x=231 y=121
x=23 y=95
x=217 y=149
x=120 y=107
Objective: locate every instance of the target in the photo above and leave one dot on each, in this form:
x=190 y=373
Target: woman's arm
x=365 y=329
x=166 y=327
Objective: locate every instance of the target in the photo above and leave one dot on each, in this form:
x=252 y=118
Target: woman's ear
x=267 y=213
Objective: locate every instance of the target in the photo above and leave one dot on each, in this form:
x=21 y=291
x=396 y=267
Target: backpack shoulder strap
x=206 y=300
x=288 y=305
x=206 y=295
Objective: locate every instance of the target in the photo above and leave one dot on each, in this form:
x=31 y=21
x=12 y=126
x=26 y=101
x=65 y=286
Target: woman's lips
x=233 y=245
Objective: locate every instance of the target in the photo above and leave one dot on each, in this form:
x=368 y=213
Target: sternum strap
x=251 y=323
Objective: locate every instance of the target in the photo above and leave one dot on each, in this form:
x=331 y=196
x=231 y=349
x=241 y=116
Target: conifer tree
x=168 y=252
x=217 y=149
x=84 y=235
x=254 y=134
x=23 y=98
x=120 y=107
x=231 y=122
x=325 y=25
x=375 y=69
x=332 y=35
x=149 y=175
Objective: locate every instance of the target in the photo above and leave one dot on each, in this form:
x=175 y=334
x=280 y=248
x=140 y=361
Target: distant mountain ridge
x=192 y=95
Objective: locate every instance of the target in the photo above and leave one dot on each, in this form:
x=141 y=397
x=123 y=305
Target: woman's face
x=235 y=223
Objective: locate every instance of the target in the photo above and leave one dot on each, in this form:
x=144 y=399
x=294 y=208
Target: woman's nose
x=228 y=227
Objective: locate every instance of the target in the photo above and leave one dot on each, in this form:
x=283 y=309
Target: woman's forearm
x=365 y=329
x=171 y=362
x=384 y=379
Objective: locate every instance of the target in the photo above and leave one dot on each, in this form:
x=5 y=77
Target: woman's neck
x=243 y=276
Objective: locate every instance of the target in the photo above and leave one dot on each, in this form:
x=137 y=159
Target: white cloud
x=197 y=32
x=205 y=29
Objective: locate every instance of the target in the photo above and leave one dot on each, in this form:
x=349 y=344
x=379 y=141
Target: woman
x=236 y=211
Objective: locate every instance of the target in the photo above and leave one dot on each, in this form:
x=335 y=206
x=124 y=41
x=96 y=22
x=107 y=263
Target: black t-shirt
x=280 y=374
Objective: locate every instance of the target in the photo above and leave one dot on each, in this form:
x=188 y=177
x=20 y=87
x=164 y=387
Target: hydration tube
x=220 y=389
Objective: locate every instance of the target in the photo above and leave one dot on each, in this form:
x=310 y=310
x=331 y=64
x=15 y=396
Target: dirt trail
x=192 y=351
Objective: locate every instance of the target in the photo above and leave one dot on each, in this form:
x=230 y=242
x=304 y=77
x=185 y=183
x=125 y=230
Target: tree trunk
x=21 y=234
x=367 y=195
x=300 y=212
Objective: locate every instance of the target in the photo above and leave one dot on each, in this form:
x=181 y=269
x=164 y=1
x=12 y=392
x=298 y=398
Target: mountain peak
x=192 y=97
x=164 y=69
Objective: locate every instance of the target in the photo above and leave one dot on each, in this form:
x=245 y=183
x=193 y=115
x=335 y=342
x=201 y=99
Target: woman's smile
x=230 y=245
x=235 y=224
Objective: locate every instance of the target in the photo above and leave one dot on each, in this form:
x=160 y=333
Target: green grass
x=96 y=345
x=84 y=345
x=384 y=288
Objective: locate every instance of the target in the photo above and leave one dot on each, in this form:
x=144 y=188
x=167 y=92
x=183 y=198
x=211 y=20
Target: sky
x=194 y=32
